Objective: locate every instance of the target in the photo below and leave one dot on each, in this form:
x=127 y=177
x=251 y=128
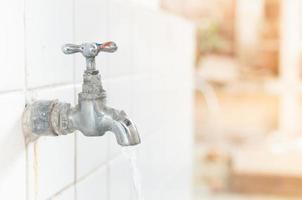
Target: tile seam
x=102 y=165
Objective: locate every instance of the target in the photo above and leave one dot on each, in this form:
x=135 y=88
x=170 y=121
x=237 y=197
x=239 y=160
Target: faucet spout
x=123 y=128
x=93 y=118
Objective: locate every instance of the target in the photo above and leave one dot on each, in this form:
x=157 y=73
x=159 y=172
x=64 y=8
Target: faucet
x=91 y=115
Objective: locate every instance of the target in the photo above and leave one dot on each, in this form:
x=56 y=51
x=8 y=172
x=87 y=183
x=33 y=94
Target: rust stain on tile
x=36 y=170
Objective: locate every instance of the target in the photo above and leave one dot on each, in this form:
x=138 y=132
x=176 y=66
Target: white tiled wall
x=150 y=77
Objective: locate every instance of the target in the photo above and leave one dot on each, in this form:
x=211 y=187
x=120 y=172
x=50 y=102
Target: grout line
x=108 y=181
x=75 y=83
x=51 y=86
x=108 y=28
x=108 y=170
x=103 y=165
x=12 y=91
x=25 y=100
x=61 y=191
x=142 y=75
x=75 y=167
x=26 y=172
x=75 y=101
x=123 y=77
x=84 y=177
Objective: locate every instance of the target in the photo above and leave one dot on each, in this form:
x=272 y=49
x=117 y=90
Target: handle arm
x=71 y=48
x=90 y=51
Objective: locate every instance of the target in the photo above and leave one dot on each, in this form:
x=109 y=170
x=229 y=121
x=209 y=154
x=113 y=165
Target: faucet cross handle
x=90 y=51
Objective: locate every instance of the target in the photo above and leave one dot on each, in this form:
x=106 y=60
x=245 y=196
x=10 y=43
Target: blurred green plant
x=210 y=40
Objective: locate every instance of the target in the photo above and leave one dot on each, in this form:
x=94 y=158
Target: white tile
x=51 y=159
x=161 y=52
x=94 y=187
x=178 y=132
x=114 y=149
x=12 y=156
x=182 y=59
x=68 y=194
x=149 y=4
x=179 y=187
x=177 y=40
x=49 y=25
x=12 y=45
x=91 y=21
x=51 y=165
x=119 y=93
x=91 y=25
x=146 y=105
x=63 y=93
x=154 y=104
x=168 y=152
x=144 y=23
x=120 y=179
x=121 y=32
x=152 y=169
x=91 y=153
x=162 y=49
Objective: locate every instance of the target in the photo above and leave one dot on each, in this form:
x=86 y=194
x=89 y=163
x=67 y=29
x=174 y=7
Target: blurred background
x=248 y=88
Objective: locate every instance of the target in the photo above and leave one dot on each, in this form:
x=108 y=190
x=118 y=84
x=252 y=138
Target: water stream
x=129 y=153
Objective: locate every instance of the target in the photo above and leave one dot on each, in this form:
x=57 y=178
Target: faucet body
x=91 y=115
